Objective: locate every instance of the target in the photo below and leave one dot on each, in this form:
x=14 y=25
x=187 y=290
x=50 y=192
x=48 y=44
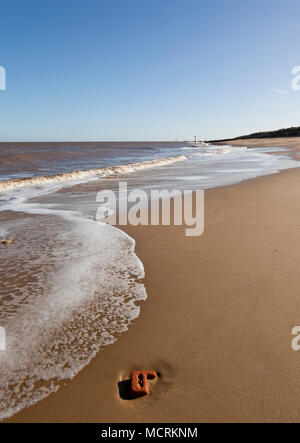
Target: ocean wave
x=8 y=185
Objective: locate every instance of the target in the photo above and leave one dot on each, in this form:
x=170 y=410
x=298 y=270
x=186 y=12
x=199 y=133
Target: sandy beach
x=283 y=142
x=217 y=322
x=119 y=122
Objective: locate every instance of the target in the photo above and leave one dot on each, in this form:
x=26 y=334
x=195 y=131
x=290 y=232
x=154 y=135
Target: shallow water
x=70 y=285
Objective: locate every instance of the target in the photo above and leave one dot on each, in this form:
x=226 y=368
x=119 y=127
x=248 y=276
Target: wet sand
x=217 y=322
x=283 y=142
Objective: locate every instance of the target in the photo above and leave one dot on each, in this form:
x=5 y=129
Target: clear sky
x=147 y=69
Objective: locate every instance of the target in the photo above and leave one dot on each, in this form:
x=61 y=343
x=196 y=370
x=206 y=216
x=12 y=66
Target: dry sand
x=217 y=322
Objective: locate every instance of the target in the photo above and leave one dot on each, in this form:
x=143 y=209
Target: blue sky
x=147 y=69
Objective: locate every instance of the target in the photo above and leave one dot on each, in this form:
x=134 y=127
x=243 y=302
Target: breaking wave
x=8 y=185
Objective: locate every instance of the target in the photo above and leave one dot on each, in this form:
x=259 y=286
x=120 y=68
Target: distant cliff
x=286 y=132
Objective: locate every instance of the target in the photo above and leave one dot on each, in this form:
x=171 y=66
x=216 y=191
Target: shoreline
x=217 y=321
x=283 y=142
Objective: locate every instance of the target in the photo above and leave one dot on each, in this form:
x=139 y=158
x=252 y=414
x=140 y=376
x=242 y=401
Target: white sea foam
x=84 y=296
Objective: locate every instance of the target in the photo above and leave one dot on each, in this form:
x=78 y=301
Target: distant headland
x=285 y=132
